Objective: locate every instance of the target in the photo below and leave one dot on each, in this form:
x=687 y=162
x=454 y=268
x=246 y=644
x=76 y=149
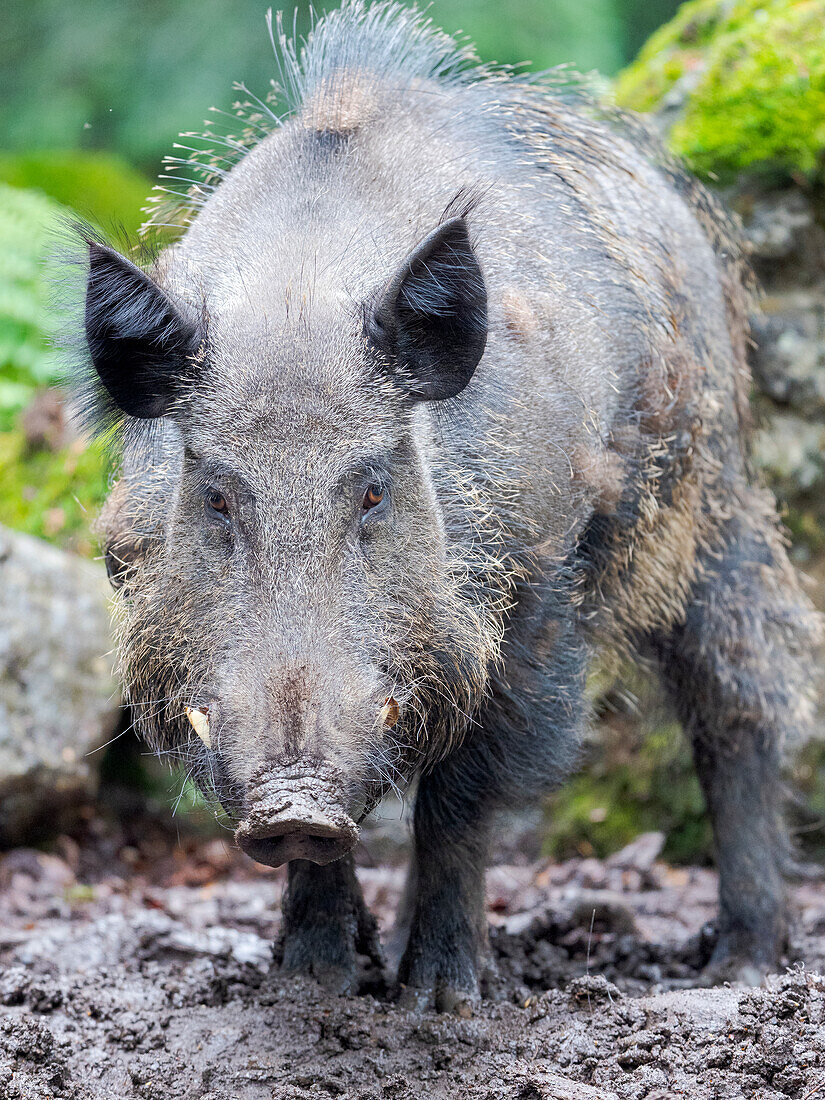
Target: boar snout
x=295 y=816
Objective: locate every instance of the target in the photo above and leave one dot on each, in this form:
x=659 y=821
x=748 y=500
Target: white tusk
x=200 y=724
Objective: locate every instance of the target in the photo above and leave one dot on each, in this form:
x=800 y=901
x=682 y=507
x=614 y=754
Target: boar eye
x=373 y=497
x=217 y=502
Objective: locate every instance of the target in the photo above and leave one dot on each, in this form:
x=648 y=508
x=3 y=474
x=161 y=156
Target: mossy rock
x=748 y=78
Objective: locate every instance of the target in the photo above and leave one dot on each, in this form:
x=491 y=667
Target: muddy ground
x=142 y=966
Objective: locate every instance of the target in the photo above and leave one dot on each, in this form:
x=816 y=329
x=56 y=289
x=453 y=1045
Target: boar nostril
x=277 y=830
x=277 y=850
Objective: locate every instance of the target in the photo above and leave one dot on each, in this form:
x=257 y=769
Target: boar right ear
x=431 y=319
x=139 y=343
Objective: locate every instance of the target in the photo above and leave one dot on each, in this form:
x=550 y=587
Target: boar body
x=519 y=329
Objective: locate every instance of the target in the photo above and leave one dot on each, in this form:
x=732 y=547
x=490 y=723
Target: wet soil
x=146 y=970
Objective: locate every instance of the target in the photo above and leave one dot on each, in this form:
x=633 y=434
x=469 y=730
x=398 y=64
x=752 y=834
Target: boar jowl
x=443 y=387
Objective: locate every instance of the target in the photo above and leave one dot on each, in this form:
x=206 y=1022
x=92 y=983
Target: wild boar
x=443 y=388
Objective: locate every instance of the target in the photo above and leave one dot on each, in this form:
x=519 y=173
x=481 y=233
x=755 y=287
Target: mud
x=146 y=970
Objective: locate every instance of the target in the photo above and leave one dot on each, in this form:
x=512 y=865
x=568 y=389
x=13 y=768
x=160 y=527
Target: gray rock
x=640 y=854
x=792 y=452
x=58 y=698
x=789 y=357
x=785 y=233
x=779 y=224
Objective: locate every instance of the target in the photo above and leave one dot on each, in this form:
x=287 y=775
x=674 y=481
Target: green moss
x=637 y=783
x=807 y=810
x=754 y=77
x=806 y=523
x=671 y=51
x=101 y=188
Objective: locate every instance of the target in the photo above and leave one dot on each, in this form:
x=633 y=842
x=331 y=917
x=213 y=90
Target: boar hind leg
x=326 y=924
x=445 y=897
x=738 y=672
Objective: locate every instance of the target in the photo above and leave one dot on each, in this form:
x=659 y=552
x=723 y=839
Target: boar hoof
x=739 y=972
x=741 y=960
x=338 y=980
x=339 y=976
x=456 y=1002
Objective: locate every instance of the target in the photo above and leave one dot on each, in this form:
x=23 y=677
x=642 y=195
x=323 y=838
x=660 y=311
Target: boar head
x=298 y=630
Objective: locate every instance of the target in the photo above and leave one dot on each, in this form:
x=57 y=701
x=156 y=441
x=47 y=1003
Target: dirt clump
x=160 y=985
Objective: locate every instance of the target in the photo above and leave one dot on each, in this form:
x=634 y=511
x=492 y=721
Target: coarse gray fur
x=589 y=486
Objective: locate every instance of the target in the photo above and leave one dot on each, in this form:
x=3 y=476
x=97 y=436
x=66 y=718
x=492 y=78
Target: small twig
x=587 y=965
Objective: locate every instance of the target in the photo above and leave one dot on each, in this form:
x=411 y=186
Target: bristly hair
x=385 y=39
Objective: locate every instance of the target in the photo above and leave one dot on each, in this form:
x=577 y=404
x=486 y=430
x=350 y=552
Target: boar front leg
x=326 y=924
x=445 y=898
x=523 y=743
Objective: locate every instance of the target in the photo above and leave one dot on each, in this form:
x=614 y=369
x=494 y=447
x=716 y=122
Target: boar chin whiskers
x=186 y=779
x=175 y=752
x=141 y=722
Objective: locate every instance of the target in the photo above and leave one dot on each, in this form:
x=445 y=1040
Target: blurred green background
x=94 y=94
x=125 y=76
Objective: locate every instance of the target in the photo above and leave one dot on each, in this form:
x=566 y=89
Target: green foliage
x=28 y=224
x=102 y=188
x=636 y=783
x=53 y=495
x=675 y=49
x=753 y=74
x=167 y=793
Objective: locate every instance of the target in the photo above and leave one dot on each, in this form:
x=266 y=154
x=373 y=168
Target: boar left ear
x=431 y=319
x=138 y=340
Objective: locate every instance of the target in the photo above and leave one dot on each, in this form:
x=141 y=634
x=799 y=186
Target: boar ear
x=431 y=319
x=138 y=340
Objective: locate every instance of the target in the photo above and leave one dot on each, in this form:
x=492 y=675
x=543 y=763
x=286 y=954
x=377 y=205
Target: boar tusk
x=200 y=724
x=388 y=714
